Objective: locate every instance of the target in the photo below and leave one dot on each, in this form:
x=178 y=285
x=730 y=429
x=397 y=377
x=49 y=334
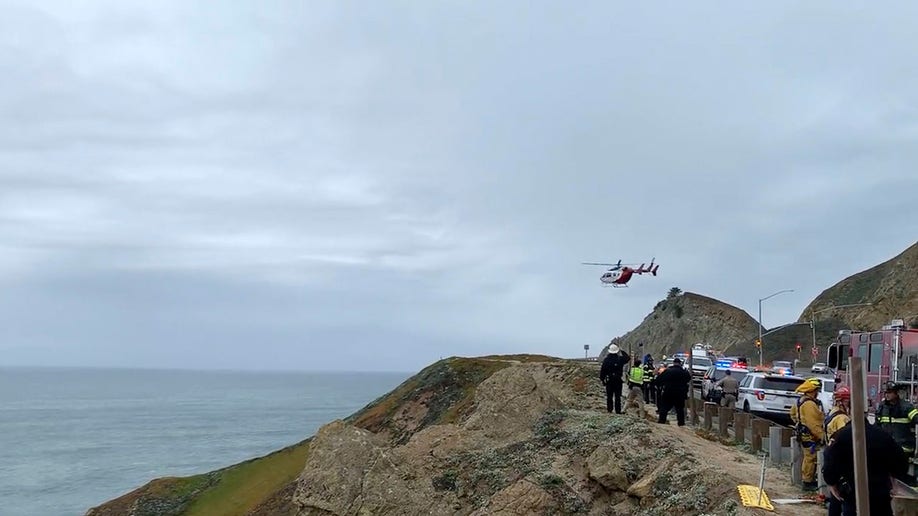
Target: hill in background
x=684 y=319
x=891 y=288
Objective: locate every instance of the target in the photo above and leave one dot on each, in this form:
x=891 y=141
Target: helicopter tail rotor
x=654 y=270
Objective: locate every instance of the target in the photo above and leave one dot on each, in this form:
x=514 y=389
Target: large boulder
x=603 y=467
x=509 y=403
x=340 y=456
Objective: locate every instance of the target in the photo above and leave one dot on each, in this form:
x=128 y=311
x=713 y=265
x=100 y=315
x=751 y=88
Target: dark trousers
x=837 y=507
x=614 y=396
x=877 y=508
x=650 y=392
x=667 y=403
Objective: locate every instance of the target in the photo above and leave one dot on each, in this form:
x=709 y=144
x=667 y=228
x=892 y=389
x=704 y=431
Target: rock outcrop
x=679 y=322
x=536 y=441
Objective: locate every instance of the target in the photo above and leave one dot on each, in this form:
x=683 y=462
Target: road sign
x=586 y=347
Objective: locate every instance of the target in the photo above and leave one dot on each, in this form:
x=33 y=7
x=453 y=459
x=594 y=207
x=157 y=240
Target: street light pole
x=762 y=344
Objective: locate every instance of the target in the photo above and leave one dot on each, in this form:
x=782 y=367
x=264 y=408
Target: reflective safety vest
x=636 y=375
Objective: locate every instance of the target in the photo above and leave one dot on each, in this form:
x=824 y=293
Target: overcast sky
x=377 y=185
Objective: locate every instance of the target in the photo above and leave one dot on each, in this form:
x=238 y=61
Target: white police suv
x=768 y=394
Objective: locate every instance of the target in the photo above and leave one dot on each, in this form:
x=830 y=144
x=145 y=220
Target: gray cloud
x=353 y=186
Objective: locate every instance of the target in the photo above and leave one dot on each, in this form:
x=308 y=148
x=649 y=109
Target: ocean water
x=70 y=439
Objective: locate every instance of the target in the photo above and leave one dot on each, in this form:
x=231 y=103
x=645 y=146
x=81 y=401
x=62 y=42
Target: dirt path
x=744 y=468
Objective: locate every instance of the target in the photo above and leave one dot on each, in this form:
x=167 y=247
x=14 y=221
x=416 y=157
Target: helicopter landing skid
x=613 y=285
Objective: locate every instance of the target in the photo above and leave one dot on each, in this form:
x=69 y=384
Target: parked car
x=768 y=394
x=782 y=367
x=826 y=393
x=820 y=368
x=715 y=374
x=700 y=366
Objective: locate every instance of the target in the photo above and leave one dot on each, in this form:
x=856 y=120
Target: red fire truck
x=889 y=354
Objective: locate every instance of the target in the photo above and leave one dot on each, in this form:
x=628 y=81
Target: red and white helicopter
x=619 y=275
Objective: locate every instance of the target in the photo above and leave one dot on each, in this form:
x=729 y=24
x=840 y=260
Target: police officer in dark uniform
x=674 y=384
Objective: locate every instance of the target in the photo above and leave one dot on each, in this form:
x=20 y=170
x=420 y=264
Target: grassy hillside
x=237 y=489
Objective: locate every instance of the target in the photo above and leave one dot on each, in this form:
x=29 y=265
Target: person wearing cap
x=674 y=386
x=808 y=417
x=837 y=419
x=610 y=374
x=898 y=418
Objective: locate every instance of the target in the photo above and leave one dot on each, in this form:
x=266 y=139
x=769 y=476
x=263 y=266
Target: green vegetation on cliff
x=236 y=490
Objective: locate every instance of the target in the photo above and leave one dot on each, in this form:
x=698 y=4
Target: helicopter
x=619 y=275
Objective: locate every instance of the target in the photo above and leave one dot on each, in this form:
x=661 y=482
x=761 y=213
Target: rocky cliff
x=512 y=435
x=534 y=440
x=891 y=288
x=680 y=321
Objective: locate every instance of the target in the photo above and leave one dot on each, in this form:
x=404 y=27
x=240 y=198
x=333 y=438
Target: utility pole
x=762 y=344
x=813 y=316
x=858 y=435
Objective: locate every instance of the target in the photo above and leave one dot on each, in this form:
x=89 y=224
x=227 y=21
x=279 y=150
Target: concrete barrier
x=774 y=445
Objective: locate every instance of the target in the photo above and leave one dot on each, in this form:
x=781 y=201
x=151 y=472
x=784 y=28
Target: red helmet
x=843 y=393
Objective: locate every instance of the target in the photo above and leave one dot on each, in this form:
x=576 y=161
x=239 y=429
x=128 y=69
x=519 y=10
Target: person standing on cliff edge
x=674 y=387
x=610 y=374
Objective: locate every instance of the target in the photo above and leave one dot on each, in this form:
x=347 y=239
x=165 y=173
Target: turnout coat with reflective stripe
x=898 y=419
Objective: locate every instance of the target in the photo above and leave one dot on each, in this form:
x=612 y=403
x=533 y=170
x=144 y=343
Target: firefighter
x=650 y=387
x=837 y=419
x=674 y=386
x=898 y=418
x=610 y=374
x=839 y=416
x=809 y=417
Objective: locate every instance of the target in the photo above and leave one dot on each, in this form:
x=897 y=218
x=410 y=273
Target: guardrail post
x=724 y=418
x=796 y=462
x=774 y=445
x=740 y=420
x=786 y=435
x=757 y=434
x=709 y=410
